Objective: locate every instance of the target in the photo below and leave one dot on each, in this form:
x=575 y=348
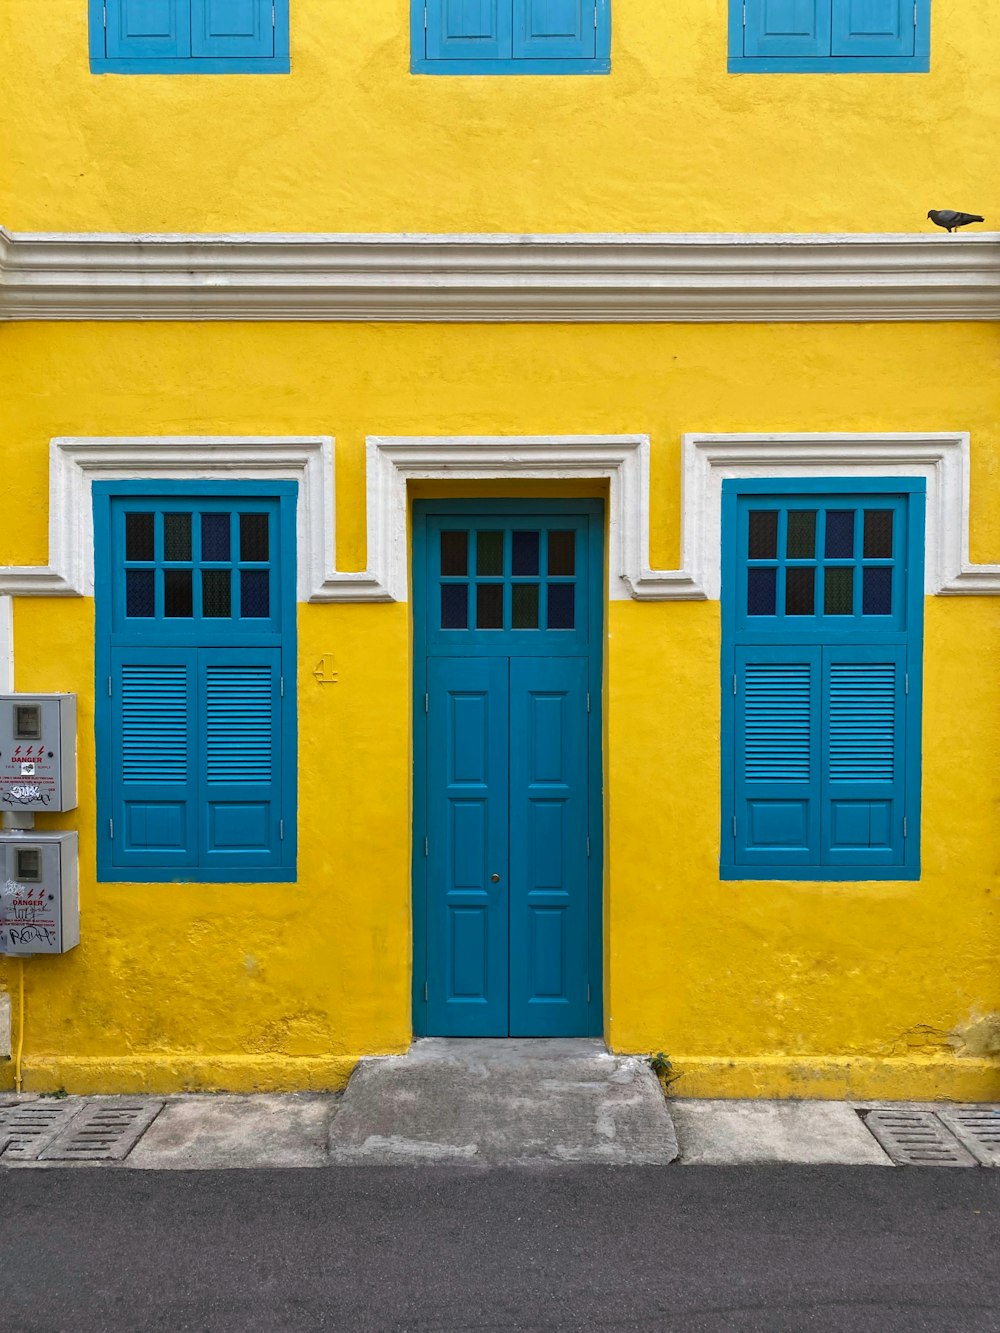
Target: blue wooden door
x=507 y=809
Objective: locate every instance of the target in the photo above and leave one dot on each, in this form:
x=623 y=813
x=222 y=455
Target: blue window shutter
x=152 y=752
x=468 y=29
x=787 y=28
x=240 y=793
x=148 y=29
x=232 y=29
x=864 y=727
x=776 y=755
x=555 y=29
x=874 y=28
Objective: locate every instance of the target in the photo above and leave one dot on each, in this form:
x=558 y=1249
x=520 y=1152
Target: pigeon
x=949 y=219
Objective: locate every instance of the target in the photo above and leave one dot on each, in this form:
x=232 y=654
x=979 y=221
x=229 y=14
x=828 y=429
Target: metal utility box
x=37 y=752
x=39 y=893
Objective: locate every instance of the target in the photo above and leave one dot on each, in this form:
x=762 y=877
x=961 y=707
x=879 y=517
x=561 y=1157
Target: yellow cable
x=20 y=1028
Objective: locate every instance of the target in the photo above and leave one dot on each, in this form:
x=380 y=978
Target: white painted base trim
x=635 y=278
x=392 y=462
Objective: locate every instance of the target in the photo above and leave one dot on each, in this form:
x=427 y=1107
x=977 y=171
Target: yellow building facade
x=635 y=291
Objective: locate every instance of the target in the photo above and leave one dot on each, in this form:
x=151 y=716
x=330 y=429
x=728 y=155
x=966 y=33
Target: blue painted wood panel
x=148 y=29
x=468 y=30
x=549 y=828
x=467 y=844
x=232 y=28
x=874 y=28
x=555 y=30
x=784 y=28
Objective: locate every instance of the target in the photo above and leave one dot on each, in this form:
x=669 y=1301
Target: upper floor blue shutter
x=874 y=27
x=148 y=29
x=864 y=726
x=468 y=29
x=555 y=29
x=787 y=28
x=240 y=795
x=152 y=750
x=777 y=755
x=232 y=28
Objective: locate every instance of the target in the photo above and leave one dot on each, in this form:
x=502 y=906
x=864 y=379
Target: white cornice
x=501 y=278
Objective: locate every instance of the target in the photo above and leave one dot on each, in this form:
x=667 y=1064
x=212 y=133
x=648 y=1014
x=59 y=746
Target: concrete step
x=503 y=1103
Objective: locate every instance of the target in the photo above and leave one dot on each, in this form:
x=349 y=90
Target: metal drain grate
x=102 y=1132
x=978 y=1128
x=917 y=1138
x=26 y=1128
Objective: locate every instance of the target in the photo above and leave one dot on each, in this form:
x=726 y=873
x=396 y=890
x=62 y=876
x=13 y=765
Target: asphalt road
x=686 y=1248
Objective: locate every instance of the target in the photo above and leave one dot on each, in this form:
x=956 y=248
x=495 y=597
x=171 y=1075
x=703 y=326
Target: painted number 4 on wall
x=324 y=671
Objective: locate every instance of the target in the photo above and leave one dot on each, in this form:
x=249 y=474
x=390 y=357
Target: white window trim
x=942 y=458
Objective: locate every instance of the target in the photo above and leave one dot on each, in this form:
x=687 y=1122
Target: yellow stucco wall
x=350 y=141
x=884 y=989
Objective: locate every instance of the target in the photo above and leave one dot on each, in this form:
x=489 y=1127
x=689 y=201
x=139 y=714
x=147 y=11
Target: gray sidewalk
x=204 y=1132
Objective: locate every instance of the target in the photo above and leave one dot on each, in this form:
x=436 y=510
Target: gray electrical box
x=39 y=893
x=37 y=752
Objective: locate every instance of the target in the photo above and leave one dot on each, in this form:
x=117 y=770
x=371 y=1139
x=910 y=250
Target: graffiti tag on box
x=27 y=762
x=26 y=917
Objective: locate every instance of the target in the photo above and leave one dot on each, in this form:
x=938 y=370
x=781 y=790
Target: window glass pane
x=762 y=592
x=255 y=600
x=876 y=591
x=562 y=553
x=216 y=595
x=139 y=537
x=763 y=543
x=878 y=534
x=525 y=553
x=139 y=592
x=215 y=536
x=839 y=534
x=454 y=605
x=562 y=605
x=800 y=591
x=177 y=536
x=253 y=536
x=525 y=615
x=455 y=554
x=801 y=544
x=838 y=594
x=177 y=593
x=489 y=552
x=489 y=605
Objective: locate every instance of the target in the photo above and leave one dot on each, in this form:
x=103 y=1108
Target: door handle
x=495 y=879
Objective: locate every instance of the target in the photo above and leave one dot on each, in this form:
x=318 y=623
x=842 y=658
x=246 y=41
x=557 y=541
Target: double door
x=507 y=872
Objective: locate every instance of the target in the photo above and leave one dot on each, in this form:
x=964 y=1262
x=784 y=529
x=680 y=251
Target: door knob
x=495 y=879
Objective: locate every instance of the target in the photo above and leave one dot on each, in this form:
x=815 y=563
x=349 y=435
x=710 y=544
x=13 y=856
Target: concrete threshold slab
x=751 y=1133
x=503 y=1103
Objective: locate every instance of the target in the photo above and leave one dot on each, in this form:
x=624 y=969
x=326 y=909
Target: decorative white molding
x=633 y=278
x=942 y=459
x=75 y=463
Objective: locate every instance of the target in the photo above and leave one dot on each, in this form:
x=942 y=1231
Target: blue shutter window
x=195 y=717
x=822 y=625
x=189 y=36
x=511 y=36
x=829 y=36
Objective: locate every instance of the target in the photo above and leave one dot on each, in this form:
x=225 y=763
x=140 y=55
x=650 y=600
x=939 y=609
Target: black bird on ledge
x=950 y=220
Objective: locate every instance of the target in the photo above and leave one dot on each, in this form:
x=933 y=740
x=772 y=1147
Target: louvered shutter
x=233 y=29
x=863 y=755
x=874 y=28
x=554 y=30
x=468 y=29
x=777 y=755
x=240 y=789
x=787 y=28
x=148 y=29
x=152 y=749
